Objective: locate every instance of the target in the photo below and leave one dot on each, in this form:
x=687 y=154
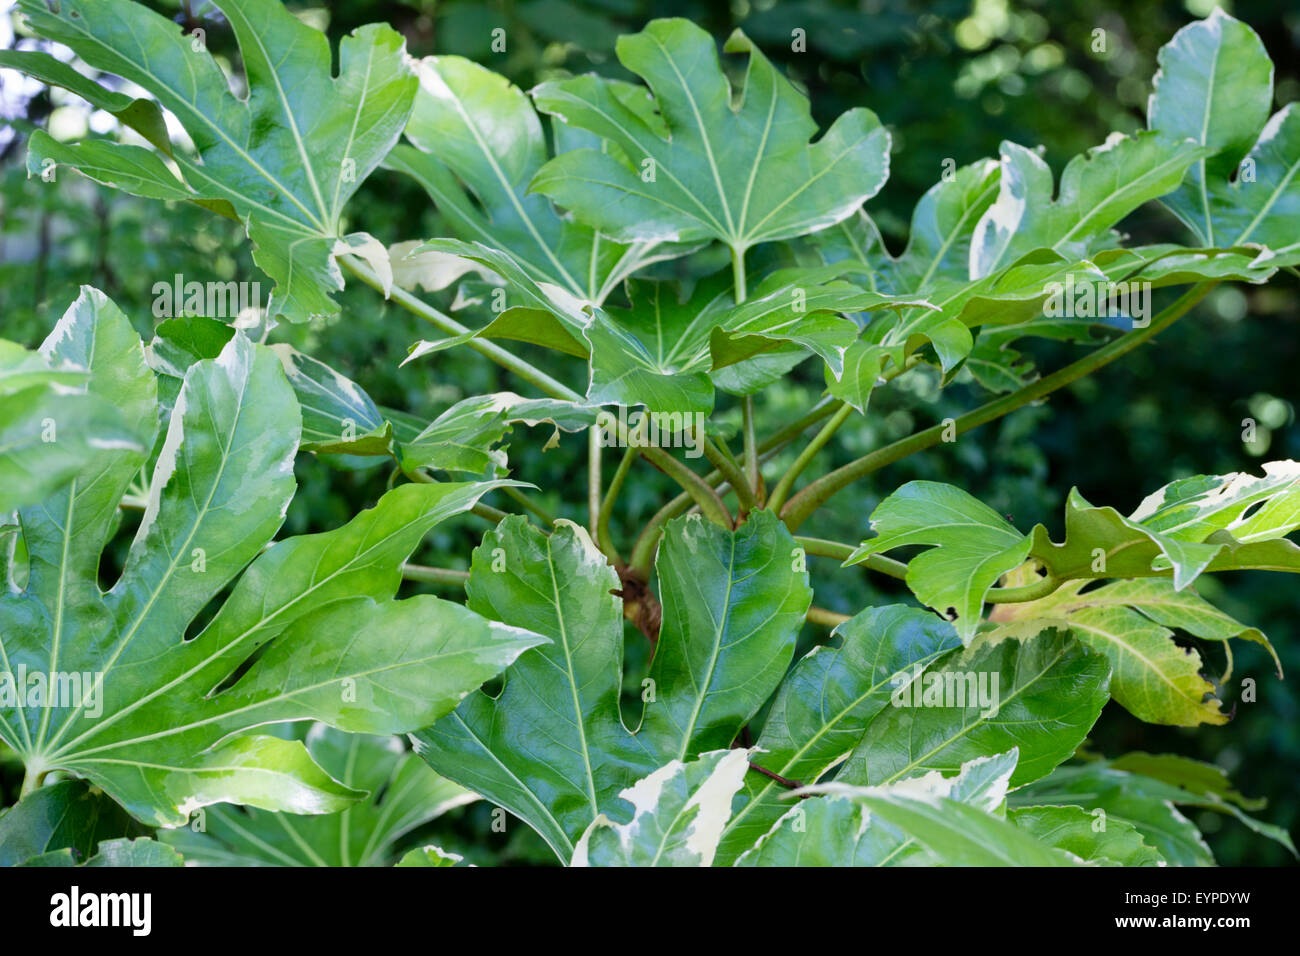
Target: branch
x=819 y=615
x=420 y=572
x=812 y=497
x=421 y=309
x=603 y=538
x=734 y=476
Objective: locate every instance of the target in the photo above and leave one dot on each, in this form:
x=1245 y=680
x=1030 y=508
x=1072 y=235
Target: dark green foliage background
x=951 y=79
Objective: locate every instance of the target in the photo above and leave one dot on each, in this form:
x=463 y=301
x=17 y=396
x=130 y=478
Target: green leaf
x=552 y=748
x=831 y=831
x=1127 y=799
x=962 y=835
x=141 y=115
x=655 y=353
x=404 y=794
x=678 y=813
x=1075 y=831
x=935 y=265
x=825 y=704
x=530 y=310
x=1203 y=523
x=1192 y=525
x=338 y=417
x=106 y=686
x=430 y=856
x=462 y=438
x=693 y=167
x=1041 y=696
x=796 y=306
x=1128 y=621
x=667 y=349
x=477 y=145
x=973 y=546
x=828 y=827
x=286 y=159
x=1215 y=86
x=1097 y=190
x=115 y=853
x=53 y=422
x=65 y=816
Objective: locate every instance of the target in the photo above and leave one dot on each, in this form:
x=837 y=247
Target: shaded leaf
x=285 y=159
x=552 y=748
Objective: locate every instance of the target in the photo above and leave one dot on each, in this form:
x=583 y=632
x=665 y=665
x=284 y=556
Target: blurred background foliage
x=951 y=79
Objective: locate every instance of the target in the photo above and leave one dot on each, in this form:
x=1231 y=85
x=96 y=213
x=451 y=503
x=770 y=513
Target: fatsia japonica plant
x=681 y=240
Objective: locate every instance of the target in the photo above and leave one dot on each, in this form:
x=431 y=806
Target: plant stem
x=420 y=309
x=644 y=548
x=495 y=515
x=841 y=552
x=819 y=615
x=1026 y=592
x=815 y=494
x=529 y=505
x=420 y=572
x=751 y=444
x=786 y=484
x=701 y=492
x=603 y=537
x=734 y=476
x=740 y=292
x=783 y=781
x=593 y=480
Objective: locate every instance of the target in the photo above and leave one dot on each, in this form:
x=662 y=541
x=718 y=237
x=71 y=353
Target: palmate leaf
x=1193 y=525
x=1040 y=696
x=678 y=813
x=52 y=423
x=105 y=686
x=1204 y=523
x=1215 y=86
x=1016 y=238
x=936 y=265
x=141 y=115
x=552 y=748
x=824 y=706
x=973 y=547
x=477 y=143
x=340 y=418
x=692 y=167
x=1129 y=622
x=830 y=828
x=285 y=160
x=404 y=794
